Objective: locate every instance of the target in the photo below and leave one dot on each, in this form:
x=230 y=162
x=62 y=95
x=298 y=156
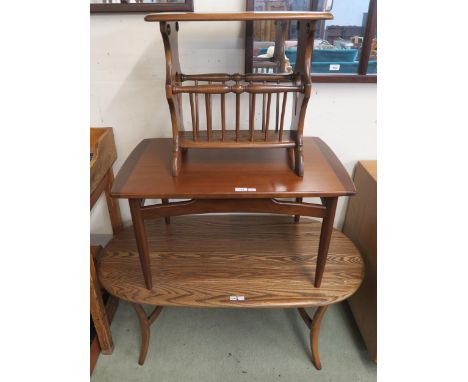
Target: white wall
x=127 y=89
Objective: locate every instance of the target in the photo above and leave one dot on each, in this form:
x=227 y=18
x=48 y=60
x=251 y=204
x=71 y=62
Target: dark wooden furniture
x=240 y=180
x=102 y=156
x=361 y=227
x=261 y=90
x=232 y=261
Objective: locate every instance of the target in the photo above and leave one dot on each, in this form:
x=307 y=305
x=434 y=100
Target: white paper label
x=334 y=66
x=244 y=189
x=236 y=298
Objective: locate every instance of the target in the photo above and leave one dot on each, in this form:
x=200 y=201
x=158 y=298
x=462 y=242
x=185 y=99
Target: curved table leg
x=314 y=335
x=314 y=326
x=145 y=323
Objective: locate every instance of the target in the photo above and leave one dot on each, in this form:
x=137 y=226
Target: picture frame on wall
x=125 y=6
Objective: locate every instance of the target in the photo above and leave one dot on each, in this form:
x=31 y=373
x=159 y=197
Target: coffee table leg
x=314 y=325
x=297 y=217
x=145 y=323
x=314 y=335
x=141 y=240
x=325 y=236
x=167 y=219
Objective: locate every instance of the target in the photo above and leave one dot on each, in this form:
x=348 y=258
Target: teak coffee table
x=238 y=261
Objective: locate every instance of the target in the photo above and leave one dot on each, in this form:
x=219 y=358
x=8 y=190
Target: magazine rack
x=266 y=92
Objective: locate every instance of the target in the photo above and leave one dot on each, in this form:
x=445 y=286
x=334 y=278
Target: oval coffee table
x=231 y=261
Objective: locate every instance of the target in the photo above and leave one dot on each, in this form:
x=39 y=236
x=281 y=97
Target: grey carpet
x=235 y=345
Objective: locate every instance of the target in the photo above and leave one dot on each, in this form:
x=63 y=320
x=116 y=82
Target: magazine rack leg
x=145 y=323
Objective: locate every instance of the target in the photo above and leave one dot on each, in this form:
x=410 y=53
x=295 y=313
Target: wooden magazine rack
x=264 y=87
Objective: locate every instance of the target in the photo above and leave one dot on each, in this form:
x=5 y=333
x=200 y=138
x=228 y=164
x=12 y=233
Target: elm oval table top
x=200 y=261
x=216 y=173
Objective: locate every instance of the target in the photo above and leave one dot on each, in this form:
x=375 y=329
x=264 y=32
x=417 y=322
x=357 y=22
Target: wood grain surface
x=360 y=226
x=239 y=16
x=201 y=261
x=102 y=152
x=216 y=173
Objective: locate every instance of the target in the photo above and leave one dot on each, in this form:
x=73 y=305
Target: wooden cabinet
x=361 y=227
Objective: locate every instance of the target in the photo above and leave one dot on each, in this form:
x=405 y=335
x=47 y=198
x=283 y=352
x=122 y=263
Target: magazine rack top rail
x=272 y=91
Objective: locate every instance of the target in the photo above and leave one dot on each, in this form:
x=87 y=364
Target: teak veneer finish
x=239 y=16
x=265 y=91
x=200 y=261
x=253 y=182
x=215 y=173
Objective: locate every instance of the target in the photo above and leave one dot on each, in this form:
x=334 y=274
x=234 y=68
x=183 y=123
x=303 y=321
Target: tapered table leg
x=325 y=236
x=141 y=240
x=167 y=219
x=297 y=217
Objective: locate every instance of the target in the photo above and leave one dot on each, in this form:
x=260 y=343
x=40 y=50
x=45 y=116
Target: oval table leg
x=314 y=335
x=145 y=332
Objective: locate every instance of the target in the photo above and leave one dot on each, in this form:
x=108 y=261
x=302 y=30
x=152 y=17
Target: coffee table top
x=230 y=173
x=201 y=261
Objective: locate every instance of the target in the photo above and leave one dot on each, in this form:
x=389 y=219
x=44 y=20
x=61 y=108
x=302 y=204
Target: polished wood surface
x=360 y=226
x=216 y=173
x=239 y=16
x=202 y=206
x=201 y=261
x=238 y=139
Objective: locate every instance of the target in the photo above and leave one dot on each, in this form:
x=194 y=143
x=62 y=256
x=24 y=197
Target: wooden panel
x=200 y=261
x=239 y=16
x=215 y=173
x=111 y=308
x=103 y=154
x=361 y=226
x=98 y=312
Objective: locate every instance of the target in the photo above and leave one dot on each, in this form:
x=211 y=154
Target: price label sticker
x=245 y=189
x=236 y=298
x=334 y=67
